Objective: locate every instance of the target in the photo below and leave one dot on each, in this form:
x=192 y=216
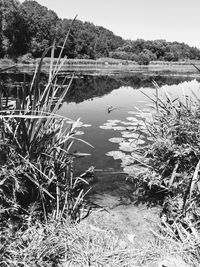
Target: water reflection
x=89 y=87
x=86 y=87
x=89 y=98
x=91 y=103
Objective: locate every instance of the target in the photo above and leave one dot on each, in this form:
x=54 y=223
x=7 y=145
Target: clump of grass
x=35 y=159
x=66 y=244
x=56 y=243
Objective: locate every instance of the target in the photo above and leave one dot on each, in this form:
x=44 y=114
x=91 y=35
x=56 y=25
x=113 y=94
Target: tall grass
x=35 y=159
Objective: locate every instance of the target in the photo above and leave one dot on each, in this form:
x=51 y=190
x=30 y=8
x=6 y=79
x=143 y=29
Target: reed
x=36 y=163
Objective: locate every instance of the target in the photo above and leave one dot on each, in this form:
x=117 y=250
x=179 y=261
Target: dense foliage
x=29 y=28
x=144 y=51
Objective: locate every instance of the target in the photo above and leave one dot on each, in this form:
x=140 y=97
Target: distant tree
x=87 y=40
x=120 y=55
x=157 y=50
x=14 y=29
x=42 y=26
x=138 y=46
x=143 y=59
x=170 y=56
x=194 y=53
x=149 y=54
x=127 y=47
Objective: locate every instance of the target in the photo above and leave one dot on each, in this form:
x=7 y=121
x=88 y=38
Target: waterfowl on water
x=111 y=108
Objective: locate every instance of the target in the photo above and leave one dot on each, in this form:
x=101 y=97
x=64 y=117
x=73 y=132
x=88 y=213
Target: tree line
x=28 y=28
x=145 y=51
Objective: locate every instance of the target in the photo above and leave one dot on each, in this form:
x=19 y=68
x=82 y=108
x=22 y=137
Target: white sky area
x=173 y=20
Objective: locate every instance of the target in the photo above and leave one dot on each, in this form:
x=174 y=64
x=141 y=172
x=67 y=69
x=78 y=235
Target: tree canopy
x=29 y=27
x=145 y=51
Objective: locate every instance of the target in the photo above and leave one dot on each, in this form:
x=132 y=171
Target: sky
x=172 y=20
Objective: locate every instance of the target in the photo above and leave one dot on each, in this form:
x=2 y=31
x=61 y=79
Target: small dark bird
x=111 y=108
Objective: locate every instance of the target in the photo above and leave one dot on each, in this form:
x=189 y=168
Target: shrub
x=143 y=59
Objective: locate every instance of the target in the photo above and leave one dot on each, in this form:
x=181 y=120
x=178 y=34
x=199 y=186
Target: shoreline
x=106 y=67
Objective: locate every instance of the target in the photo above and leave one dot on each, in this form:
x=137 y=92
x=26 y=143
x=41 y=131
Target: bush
x=143 y=59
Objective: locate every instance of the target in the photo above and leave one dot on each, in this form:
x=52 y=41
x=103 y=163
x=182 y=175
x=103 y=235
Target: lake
x=101 y=101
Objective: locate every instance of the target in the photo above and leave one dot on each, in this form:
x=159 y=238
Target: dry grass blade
x=8 y=68
x=52 y=60
x=58 y=103
x=195 y=179
x=157 y=98
x=37 y=78
x=195 y=67
x=38 y=185
x=173 y=175
x=196 y=97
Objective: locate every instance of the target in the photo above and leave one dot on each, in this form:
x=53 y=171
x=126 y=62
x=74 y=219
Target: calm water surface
x=89 y=99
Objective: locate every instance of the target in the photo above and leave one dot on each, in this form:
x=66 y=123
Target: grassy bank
x=88 y=244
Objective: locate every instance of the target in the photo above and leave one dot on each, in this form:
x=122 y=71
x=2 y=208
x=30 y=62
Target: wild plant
x=36 y=163
x=171 y=159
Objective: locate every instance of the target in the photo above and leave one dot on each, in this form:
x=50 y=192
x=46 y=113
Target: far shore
x=105 y=66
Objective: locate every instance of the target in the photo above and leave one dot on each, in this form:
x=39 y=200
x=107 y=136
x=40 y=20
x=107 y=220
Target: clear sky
x=173 y=20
